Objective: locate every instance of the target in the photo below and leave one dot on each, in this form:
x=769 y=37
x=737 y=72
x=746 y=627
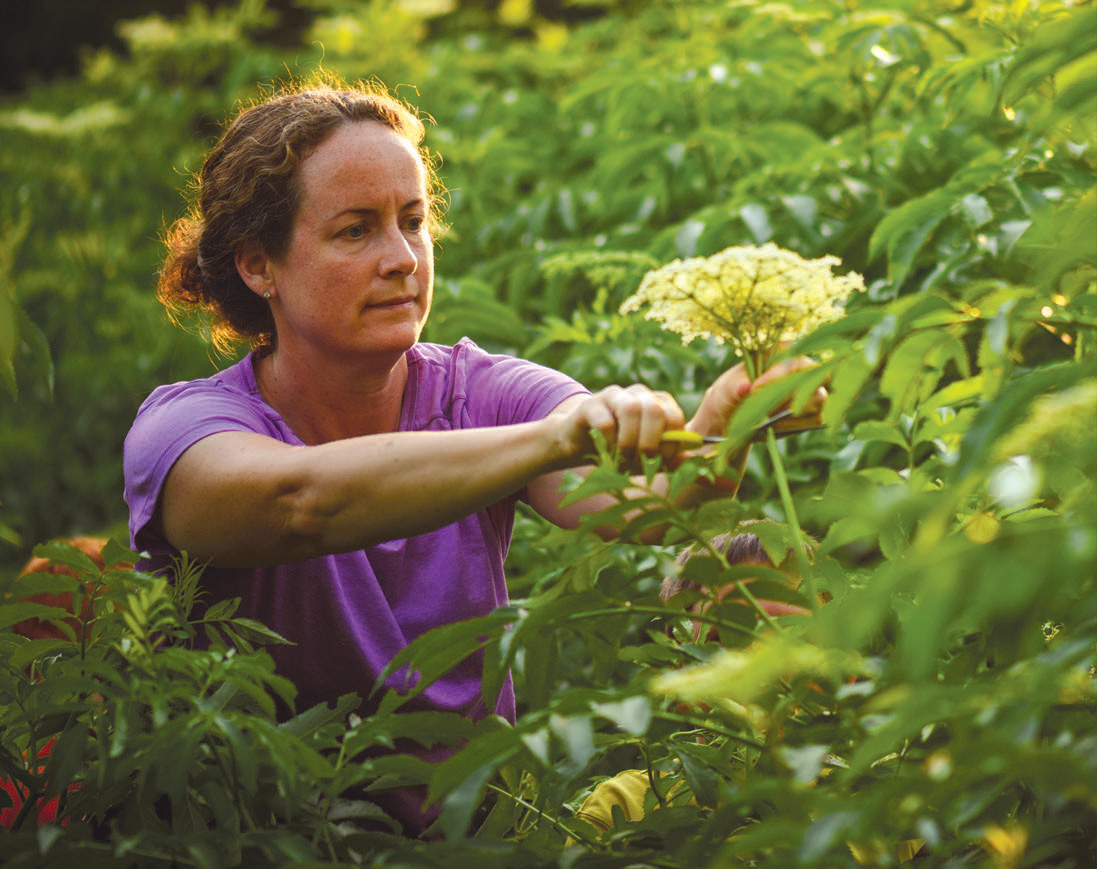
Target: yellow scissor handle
x=684 y=438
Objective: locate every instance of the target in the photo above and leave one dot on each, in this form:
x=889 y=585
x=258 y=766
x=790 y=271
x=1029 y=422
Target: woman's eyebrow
x=413 y=205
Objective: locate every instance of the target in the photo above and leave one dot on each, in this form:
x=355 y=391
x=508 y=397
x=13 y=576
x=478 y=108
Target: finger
x=628 y=410
x=660 y=413
x=595 y=414
x=723 y=397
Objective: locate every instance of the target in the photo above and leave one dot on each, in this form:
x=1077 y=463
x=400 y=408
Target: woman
x=352 y=486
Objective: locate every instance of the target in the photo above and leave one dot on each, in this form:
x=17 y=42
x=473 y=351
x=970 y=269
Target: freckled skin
x=357 y=279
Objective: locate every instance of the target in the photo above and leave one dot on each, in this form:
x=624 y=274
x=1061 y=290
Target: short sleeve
x=505 y=390
x=171 y=420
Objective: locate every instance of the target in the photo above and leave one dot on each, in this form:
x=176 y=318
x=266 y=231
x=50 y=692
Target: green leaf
x=319 y=716
x=59 y=552
x=244 y=762
x=685 y=239
x=114 y=553
x=34 y=650
x=883 y=331
x=850 y=377
x=488 y=750
x=461 y=802
x=9 y=338
x=222 y=610
x=632 y=714
x=437 y=651
x=805 y=761
x=48 y=834
x=757 y=221
x=997 y=332
x=67 y=759
x=904 y=370
x=541 y=666
x=577 y=737
x=13 y=613
x=699 y=775
x=823 y=834
x=257 y=632
x=879 y=430
x=906 y=229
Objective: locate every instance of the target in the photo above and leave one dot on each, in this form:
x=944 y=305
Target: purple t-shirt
x=350 y=613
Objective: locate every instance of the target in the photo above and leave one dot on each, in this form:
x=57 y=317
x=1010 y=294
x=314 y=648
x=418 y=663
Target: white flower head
x=750 y=297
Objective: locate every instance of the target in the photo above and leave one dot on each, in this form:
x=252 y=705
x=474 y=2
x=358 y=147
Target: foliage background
x=947 y=151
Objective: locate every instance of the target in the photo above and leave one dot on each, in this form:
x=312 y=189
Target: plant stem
x=665 y=611
x=708 y=724
x=651 y=777
x=790 y=516
x=558 y=824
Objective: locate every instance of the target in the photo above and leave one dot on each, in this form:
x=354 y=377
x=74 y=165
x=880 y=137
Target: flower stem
x=806 y=575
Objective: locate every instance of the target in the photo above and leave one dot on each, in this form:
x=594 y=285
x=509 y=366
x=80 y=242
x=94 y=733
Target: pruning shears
x=690 y=439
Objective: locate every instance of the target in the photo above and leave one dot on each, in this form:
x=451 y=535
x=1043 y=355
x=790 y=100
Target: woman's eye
x=414 y=224
x=354 y=232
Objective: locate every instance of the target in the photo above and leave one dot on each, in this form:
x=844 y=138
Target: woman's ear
x=254 y=267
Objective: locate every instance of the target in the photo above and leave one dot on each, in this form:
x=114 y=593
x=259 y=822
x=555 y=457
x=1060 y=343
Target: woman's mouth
x=403 y=301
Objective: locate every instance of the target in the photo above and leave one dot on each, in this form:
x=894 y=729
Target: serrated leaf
x=883 y=331
x=59 y=552
x=541 y=660
x=114 y=553
x=257 y=632
x=36 y=649
x=13 y=613
x=221 y=610
x=316 y=717
x=244 y=762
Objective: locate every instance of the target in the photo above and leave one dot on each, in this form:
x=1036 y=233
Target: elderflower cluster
x=750 y=297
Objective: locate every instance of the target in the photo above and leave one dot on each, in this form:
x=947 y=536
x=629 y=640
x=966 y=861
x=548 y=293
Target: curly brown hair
x=248 y=192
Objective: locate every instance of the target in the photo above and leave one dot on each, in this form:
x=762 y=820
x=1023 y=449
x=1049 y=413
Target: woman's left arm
x=717 y=408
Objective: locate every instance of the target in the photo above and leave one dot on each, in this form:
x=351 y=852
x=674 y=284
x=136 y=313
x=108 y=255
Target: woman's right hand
x=630 y=419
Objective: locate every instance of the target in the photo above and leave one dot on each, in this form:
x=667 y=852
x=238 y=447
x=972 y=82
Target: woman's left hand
x=731 y=388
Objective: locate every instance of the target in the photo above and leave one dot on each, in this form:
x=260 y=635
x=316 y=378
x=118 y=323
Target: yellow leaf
x=982 y=528
x=1006 y=846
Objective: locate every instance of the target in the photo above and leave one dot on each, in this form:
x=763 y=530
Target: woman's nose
x=399 y=257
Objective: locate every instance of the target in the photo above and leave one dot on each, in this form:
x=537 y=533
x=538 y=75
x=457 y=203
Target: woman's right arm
x=239 y=499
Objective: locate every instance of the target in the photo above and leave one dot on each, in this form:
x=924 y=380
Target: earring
x=266 y=294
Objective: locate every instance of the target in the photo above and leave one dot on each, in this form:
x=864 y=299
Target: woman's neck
x=325 y=404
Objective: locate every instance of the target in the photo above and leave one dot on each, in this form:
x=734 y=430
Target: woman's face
x=355 y=282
